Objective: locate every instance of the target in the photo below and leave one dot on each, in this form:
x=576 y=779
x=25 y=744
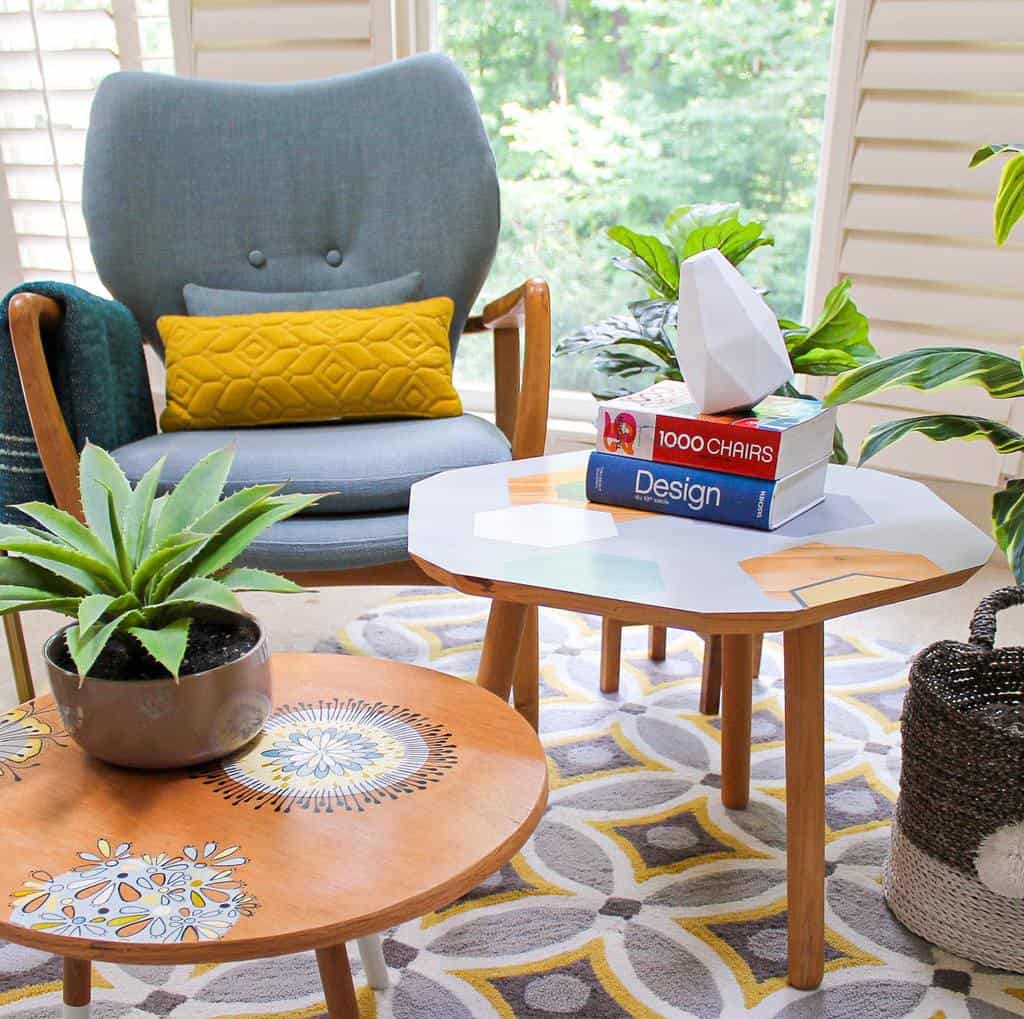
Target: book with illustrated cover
x=704 y=495
x=778 y=437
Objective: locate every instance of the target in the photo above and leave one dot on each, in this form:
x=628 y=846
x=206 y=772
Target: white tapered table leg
x=372 y=956
x=77 y=988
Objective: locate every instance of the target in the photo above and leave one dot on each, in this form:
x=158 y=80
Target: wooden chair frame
x=521 y=412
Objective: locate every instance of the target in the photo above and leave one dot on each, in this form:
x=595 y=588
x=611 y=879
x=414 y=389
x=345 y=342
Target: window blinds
x=916 y=86
x=53 y=54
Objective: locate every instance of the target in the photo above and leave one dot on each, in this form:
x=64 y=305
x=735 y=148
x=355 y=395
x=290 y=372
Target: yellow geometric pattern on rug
x=532 y=884
x=720 y=844
x=638 y=760
x=592 y=955
x=869 y=778
x=839 y=952
x=277 y=367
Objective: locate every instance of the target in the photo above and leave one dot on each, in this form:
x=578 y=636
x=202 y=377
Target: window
x=616 y=111
x=53 y=54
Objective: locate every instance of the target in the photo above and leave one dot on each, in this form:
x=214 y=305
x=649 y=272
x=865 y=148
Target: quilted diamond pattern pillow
x=288 y=366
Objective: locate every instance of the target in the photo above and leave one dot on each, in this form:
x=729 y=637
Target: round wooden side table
x=523 y=534
x=376 y=792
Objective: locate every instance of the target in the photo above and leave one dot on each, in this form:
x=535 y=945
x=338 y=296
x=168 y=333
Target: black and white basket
x=955 y=871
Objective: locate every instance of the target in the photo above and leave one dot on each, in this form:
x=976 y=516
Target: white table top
x=876 y=538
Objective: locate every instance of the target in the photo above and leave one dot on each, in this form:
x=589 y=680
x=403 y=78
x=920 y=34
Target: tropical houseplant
x=640 y=347
x=160 y=666
x=938 y=368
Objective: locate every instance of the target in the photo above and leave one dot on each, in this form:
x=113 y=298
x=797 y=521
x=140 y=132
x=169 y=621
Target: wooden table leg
x=611 y=655
x=336 y=977
x=657 y=643
x=711 y=677
x=501 y=647
x=757 y=649
x=77 y=988
x=736 y=696
x=526 y=684
x=19 y=657
x=805 y=803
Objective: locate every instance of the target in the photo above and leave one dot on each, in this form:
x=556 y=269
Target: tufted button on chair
x=339 y=183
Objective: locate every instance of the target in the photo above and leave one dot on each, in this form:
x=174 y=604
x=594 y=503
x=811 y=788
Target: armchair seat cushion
x=317 y=544
x=369 y=466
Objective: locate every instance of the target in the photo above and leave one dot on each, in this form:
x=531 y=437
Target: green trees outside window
x=618 y=111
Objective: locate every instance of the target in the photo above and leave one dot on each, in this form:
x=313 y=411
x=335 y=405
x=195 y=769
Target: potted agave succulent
x=161 y=667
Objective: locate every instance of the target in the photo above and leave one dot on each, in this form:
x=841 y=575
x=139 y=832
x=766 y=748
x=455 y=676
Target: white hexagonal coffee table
x=523 y=534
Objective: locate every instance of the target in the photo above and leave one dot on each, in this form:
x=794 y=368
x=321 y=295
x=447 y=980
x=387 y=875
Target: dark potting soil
x=209 y=644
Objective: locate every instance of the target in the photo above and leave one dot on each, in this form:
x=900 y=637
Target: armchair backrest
x=261 y=187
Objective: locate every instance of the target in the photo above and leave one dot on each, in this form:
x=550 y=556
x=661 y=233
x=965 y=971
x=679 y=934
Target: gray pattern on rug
x=639 y=895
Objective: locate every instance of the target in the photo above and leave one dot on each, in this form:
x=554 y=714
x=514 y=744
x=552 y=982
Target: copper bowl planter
x=163 y=723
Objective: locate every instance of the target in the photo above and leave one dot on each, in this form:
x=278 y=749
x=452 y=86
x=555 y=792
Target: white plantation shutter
x=916 y=86
x=53 y=54
x=259 y=40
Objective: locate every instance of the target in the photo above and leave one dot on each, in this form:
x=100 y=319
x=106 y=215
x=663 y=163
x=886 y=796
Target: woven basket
x=955 y=871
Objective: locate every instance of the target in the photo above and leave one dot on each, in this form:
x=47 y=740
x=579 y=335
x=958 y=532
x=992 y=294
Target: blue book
x=704 y=495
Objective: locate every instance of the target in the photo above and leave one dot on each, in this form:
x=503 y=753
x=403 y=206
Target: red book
x=779 y=436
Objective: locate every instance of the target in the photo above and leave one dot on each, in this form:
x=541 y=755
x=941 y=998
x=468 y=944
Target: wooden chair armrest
x=521 y=402
x=27 y=314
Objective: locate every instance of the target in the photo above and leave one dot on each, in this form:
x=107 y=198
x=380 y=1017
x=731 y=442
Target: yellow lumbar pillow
x=288 y=366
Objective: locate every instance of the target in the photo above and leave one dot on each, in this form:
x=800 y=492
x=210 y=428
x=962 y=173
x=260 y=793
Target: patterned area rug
x=639 y=895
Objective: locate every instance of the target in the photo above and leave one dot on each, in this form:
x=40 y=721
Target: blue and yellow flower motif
x=323 y=752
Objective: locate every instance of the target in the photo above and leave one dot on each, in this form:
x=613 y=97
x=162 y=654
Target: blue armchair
x=313 y=186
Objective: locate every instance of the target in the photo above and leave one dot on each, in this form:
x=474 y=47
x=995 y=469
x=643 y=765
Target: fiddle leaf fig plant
x=641 y=345
x=141 y=566
x=937 y=368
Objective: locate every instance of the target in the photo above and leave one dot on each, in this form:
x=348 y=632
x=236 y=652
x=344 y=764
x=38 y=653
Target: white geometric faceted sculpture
x=730 y=349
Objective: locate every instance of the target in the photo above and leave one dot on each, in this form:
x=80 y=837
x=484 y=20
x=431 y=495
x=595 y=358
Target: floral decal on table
x=336 y=753
x=24 y=734
x=158 y=898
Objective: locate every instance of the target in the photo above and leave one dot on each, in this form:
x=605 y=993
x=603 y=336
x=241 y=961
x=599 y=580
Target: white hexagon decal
x=544 y=525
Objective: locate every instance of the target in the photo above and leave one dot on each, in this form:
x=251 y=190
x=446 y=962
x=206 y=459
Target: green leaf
x=99 y=474
x=204 y=591
x=932 y=368
x=66 y=606
x=86 y=648
x=230 y=509
x=124 y=563
x=196 y=494
x=823 y=361
x=67 y=529
x=89 y=572
x=987 y=151
x=659 y=258
x=1009 y=205
x=90 y=609
x=599 y=334
x=734 y=239
x=21 y=573
x=166 y=644
x=660 y=354
x=841 y=326
x=245 y=578
x=685 y=219
x=224 y=548
x=655 y=318
x=156 y=561
x=942 y=428
x=1008 y=524
x=839 y=454
x=140 y=512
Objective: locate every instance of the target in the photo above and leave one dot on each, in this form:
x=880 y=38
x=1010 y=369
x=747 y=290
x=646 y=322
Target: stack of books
x=754 y=468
